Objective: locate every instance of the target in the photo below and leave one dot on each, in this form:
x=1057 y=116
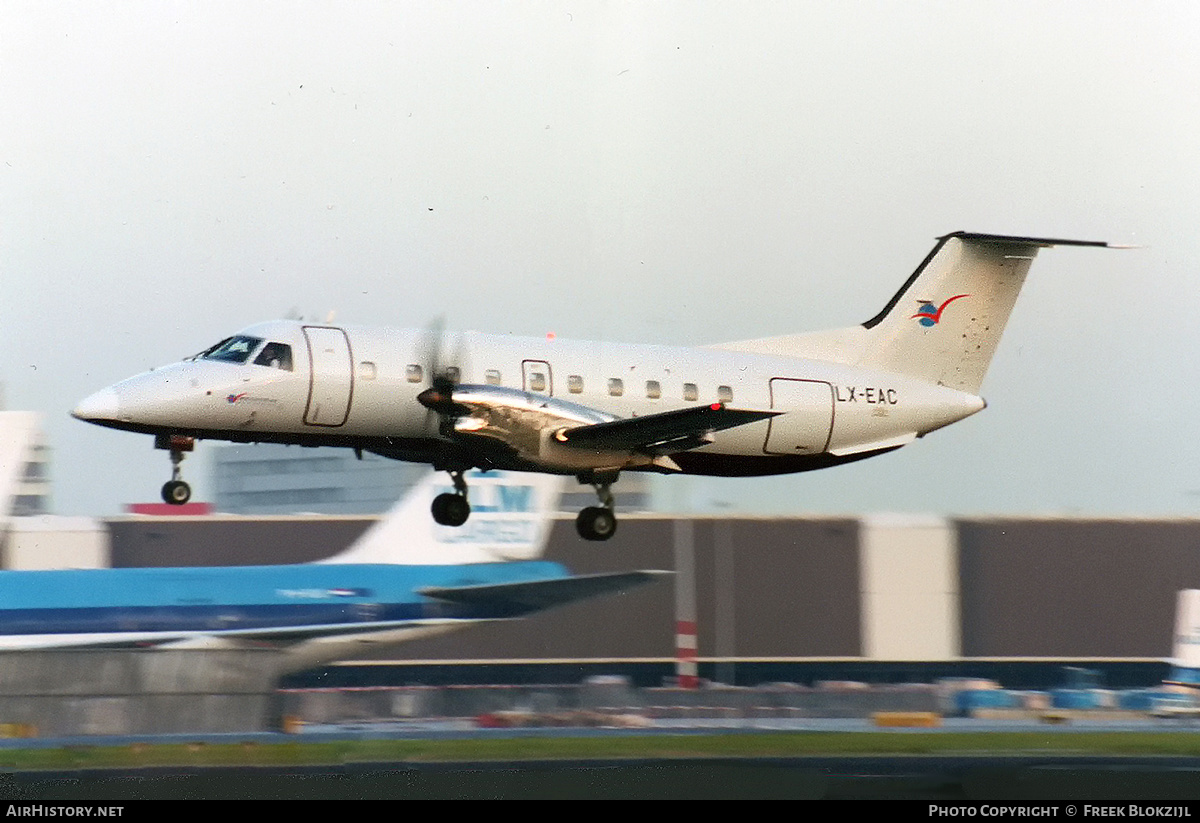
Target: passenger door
x=331 y=376
x=807 y=422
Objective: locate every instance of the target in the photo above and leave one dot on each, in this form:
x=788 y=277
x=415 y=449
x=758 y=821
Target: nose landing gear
x=175 y=491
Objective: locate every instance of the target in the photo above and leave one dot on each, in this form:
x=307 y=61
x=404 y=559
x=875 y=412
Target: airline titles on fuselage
x=321 y=594
x=484 y=530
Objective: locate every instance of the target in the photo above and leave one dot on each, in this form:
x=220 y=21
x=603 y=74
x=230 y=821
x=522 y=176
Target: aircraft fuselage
x=358 y=387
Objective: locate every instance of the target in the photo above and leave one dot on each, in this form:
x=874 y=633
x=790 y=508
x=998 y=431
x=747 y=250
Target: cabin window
x=690 y=392
x=725 y=394
x=491 y=377
x=414 y=373
x=616 y=387
x=275 y=355
x=574 y=384
x=366 y=370
x=537 y=381
x=653 y=389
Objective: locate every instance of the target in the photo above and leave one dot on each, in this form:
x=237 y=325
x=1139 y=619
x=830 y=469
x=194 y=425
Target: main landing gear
x=593 y=523
x=175 y=491
x=598 y=522
x=452 y=509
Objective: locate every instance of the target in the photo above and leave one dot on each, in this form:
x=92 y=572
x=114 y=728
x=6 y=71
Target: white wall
x=49 y=542
x=910 y=597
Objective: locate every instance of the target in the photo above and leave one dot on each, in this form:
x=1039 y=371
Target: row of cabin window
x=616 y=386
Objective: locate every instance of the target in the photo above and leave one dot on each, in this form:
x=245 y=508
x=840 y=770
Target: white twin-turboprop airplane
x=754 y=407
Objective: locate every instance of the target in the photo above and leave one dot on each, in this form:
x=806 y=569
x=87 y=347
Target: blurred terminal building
x=24 y=465
x=874 y=598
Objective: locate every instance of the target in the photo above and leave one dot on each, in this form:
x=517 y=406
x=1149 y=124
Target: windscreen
x=232 y=349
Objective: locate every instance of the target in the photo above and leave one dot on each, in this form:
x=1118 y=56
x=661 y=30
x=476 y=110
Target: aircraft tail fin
x=944 y=323
x=511 y=516
x=1185 y=662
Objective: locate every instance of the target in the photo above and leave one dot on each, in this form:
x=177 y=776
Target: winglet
x=511 y=516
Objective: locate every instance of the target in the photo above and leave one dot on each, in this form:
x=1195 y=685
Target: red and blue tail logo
x=929 y=314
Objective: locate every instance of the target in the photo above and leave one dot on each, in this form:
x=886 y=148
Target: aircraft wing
x=216 y=638
x=536 y=595
x=661 y=433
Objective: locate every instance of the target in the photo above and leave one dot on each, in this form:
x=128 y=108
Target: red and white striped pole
x=686 y=671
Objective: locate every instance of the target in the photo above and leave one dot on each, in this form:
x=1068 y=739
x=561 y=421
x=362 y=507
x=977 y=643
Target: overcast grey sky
x=671 y=172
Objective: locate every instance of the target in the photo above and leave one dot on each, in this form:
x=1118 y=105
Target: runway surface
x=979 y=778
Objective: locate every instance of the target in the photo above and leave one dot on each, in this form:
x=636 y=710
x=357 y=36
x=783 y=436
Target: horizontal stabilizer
x=1008 y=240
x=536 y=595
x=684 y=426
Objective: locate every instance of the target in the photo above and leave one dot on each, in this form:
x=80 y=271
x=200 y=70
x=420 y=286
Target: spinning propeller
x=439 y=397
x=449 y=509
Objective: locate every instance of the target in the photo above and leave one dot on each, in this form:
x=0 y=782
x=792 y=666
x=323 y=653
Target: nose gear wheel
x=176 y=491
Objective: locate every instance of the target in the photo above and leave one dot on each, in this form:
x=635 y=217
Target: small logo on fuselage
x=929 y=314
x=233 y=398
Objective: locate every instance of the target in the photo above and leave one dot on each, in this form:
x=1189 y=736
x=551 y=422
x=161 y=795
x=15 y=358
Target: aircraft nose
x=103 y=405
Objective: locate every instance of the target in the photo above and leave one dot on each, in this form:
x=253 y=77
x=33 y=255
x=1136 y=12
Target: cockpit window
x=275 y=355
x=233 y=349
x=209 y=350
